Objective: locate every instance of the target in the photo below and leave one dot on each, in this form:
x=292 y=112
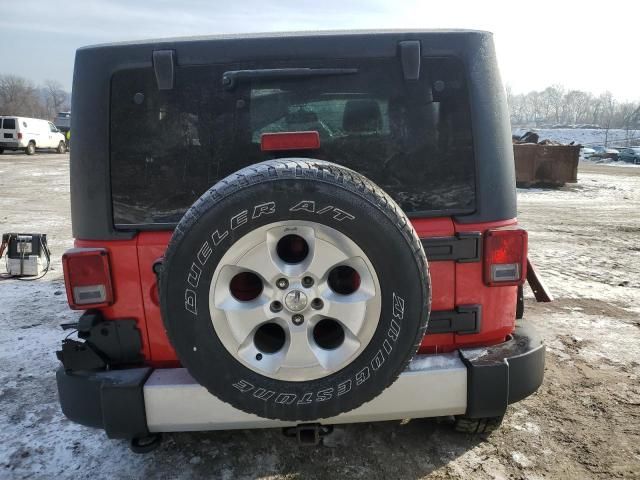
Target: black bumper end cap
x=503 y=374
x=111 y=400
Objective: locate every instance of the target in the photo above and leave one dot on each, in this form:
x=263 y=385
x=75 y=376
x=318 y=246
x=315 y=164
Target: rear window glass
x=9 y=123
x=413 y=138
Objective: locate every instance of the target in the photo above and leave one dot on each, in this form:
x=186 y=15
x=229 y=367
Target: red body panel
x=453 y=284
x=151 y=247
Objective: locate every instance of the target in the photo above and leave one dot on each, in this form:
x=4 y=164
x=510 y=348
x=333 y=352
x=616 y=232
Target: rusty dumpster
x=546 y=165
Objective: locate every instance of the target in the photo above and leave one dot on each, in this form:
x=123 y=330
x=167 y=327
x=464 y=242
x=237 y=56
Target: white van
x=28 y=134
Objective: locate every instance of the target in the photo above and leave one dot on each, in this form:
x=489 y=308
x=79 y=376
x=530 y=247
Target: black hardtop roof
x=292 y=34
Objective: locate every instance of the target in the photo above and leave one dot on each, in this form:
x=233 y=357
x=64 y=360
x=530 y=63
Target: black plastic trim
x=503 y=374
x=463 y=247
x=112 y=400
x=463 y=320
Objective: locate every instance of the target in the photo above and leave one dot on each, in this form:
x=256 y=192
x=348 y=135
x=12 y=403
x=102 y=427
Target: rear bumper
x=477 y=382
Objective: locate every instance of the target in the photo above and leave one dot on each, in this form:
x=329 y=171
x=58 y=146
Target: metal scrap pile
x=534 y=138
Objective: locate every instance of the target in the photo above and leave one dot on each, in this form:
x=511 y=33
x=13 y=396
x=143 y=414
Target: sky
x=586 y=45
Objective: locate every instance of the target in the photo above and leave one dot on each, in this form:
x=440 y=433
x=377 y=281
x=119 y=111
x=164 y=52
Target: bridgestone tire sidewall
x=219 y=219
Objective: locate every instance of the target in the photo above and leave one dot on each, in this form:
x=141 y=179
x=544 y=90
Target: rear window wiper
x=231 y=78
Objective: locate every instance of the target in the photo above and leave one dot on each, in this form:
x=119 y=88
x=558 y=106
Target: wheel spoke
x=244 y=317
x=269 y=362
x=325 y=257
x=332 y=359
x=300 y=352
x=350 y=310
x=259 y=260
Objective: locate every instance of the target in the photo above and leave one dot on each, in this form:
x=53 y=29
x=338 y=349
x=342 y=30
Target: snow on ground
x=584 y=136
x=585 y=235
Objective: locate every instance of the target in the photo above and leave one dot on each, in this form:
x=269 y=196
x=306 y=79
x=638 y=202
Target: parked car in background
x=605 y=153
x=29 y=134
x=63 y=121
x=630 y=154
x=586 y=152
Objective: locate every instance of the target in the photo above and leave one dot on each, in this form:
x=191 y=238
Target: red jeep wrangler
x=293 y=231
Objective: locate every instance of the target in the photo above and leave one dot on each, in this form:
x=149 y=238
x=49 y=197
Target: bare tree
x=56 y=97
x=630 y=119
x=608 y=111
x=19 y=97
x=552 y=100
x=582 y=103
x=555 y=105
x=570 y=106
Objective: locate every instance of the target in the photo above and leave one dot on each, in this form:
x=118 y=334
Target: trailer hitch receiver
x=308 y=434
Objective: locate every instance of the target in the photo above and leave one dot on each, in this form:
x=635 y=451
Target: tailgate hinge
x=464 y=320
x=463 y=247
x=164 y=68
x=410 y=59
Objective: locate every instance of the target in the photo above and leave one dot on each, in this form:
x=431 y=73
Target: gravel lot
x=583 y=423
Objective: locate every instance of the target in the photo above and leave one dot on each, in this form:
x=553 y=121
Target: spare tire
x=295 y=290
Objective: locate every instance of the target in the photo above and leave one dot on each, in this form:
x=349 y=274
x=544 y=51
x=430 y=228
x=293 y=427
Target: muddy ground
x=583 y=423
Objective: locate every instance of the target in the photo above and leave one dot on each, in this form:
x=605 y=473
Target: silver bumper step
x=432 y=386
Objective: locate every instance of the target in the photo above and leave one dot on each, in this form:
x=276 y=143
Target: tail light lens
x=87 y=277
x=505 y=257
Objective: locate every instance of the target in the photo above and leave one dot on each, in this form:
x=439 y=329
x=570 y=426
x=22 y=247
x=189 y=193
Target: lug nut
x=307 y=282
x=282 y=283
x=297 y=319
x=317 y=304
x=276 y=306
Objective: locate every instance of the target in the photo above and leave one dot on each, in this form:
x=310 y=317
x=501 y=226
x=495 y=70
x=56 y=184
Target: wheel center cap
x=295 y=300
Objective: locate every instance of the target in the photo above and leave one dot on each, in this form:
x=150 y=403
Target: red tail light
x=87 y=277
x=19 y=136
x=289 y=141
x=505 y=257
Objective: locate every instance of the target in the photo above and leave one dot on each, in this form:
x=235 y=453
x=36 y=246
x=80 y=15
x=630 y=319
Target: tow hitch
x=308 y=434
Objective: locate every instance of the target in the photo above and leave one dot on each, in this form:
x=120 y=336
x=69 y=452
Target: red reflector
x=270 y=142
x=19 y=136
x=87 y=278
x=505 y=256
